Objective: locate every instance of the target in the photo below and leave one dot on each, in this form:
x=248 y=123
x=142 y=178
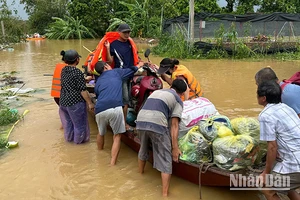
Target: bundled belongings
x=193 y=111
x=250 y=126
x=194 y=147
x=234 y=152
x=210 y=126
x=233 y=144
x=246 y=126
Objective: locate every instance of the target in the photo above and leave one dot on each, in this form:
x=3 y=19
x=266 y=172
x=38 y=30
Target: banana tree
x=70 y=28
x=138 y=17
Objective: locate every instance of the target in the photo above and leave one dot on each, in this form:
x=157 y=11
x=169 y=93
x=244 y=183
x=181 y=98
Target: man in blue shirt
x=109 y=104
x=290 y=93
x=120 y=52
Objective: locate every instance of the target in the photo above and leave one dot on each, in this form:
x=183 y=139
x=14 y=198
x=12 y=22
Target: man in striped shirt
x=158 y=121
x=280 y=127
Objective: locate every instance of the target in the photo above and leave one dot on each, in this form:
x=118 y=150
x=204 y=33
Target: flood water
x=44 y=166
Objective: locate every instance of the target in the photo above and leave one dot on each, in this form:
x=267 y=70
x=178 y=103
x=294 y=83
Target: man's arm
x=174 y=136
x=109 y=58
x=271 y=156
x=128 y=72
x=88 y=100
x=187 y=92
x=166 y=78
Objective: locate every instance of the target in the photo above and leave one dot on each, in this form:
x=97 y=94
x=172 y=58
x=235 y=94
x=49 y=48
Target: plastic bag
x=234 y=152
x=263 y=146
x=196 y=109
x=194 y=147
x=246 y=126
x=193 y=111
x=210 y=126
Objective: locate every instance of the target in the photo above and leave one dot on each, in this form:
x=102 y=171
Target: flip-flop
x=131 y=129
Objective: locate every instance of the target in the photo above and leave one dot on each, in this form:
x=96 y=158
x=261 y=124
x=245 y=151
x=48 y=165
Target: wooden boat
x=210 y=175
x=33 y=39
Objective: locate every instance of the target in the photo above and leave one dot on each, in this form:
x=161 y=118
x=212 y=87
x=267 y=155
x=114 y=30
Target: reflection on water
x=44 y=166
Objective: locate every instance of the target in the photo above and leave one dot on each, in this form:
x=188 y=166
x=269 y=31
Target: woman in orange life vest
x=172 y=67
x=56 y=84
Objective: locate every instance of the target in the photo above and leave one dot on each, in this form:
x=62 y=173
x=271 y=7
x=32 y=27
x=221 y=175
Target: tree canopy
x=144 y=16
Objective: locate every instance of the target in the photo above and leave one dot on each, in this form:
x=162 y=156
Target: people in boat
x=290 y=92
x=158 y=120
x=108 y=109
x=36 y=35
x=172 y=67
x=280 y=127
x=74 y=98
x=123 y=53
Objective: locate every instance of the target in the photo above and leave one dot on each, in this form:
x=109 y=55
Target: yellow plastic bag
x=234 y=152
x=194 y=147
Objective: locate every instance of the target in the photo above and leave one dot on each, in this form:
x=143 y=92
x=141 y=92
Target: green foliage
x=229 y=39
x=41 y=12
x=95 y=14
x=7 y=116
x=270 y=6
x=246 y=6
x=14 y=27
x=114 y=23
x=175 y=46
x=216 y=54
x=69 y=28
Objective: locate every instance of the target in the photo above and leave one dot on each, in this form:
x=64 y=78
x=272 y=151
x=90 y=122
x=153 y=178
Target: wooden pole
x=192 y=20
x=200 y=26
x=161 y=18
x=2 y=27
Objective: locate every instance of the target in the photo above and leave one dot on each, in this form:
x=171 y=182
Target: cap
x=124 y=28
x=70 y=55
x=164 y=65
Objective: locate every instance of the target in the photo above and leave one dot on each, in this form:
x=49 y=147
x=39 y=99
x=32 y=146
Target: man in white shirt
x=280 y=127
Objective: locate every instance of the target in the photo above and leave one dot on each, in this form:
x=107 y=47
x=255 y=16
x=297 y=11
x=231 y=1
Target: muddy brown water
x=44 y=166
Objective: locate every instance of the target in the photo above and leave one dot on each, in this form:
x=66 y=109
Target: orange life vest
x=194 y=85
x=100 y=53
x=56 y=84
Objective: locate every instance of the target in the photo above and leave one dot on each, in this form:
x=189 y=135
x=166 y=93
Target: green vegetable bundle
x=194 y=147
x=234 y=152
x=210 y=126
x=246 y=126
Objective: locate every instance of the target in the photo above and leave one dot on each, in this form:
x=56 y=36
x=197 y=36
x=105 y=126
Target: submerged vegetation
x=7 y=115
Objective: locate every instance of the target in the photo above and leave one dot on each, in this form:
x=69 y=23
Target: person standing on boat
x=108 y=109
x=73 y=99
x=172 y=67
x=280 y=128
x=290 y=92
x=123 y=53
x=158 y=121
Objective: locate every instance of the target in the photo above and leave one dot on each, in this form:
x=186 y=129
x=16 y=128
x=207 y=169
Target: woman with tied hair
x=74 y=99
x=172 y=67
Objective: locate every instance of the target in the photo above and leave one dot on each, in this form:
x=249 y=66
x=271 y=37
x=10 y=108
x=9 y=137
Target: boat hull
x=34 y=39
x=212 y=177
